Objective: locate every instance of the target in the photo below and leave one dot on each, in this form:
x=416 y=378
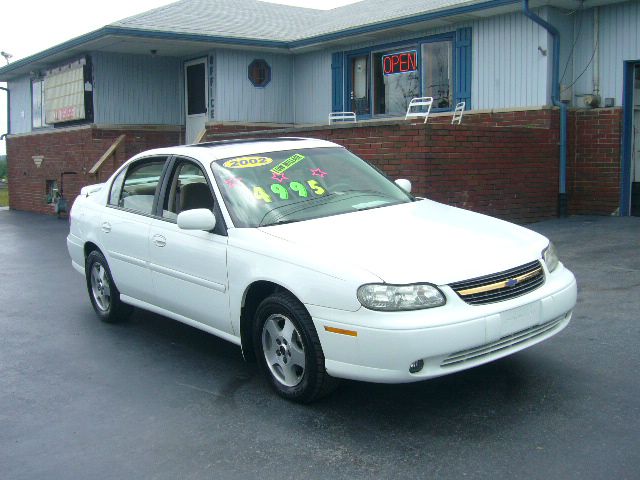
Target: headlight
x=550 y=256
x=391 y=298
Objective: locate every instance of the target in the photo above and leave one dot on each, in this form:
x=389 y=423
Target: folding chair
x=420 y=102
x=457 y=113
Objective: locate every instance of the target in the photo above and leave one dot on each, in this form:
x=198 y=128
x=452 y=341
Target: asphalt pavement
x=155 y=399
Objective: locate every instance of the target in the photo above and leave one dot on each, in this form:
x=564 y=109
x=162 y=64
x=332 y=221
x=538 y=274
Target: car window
x=116 y=188
x=187 y=189
x=296 y=185
x=140 y=184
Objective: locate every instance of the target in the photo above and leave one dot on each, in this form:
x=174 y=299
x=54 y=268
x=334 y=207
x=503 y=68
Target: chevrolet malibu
x=314 y=263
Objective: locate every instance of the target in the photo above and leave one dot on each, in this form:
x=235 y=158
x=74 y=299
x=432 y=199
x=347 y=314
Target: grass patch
x=4 y=197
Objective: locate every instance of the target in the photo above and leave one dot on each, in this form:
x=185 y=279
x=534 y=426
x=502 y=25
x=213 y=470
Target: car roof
x=210 y=151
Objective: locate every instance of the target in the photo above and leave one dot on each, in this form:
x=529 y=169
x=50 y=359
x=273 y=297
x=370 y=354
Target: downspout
x=596 y=54
x=4 y=135
x=555 y=98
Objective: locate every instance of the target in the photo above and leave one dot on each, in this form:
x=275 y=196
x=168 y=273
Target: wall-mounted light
x=153 y=52
x=7 y=56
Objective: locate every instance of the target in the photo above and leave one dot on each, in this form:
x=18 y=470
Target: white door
x=196 y=97
x=188 y=267
x=125 y=226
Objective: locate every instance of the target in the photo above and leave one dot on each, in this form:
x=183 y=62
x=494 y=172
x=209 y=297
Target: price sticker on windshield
x=247 y=162
x=294 y=190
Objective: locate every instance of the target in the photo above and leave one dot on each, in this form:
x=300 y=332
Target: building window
x=382 y=81
x=37 y=104
x=396 y=80
x=52 y=191
x=259 y=73
x=437 y=81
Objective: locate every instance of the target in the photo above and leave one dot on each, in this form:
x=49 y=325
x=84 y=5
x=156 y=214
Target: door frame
x=196 y=61
x=627 y=136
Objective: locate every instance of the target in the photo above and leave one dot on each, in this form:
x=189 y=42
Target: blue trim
x=409 y=44
x=627 y=139
x=138 y=33
x=267 y=79
x=337 y=85
x=401 y=22
x=462 y=67
x=121 y=31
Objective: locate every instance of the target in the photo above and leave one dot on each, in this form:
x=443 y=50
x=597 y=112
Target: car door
x=188 y=267
x=125 y=226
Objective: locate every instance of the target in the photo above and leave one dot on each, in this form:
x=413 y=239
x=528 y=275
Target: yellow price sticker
x=247 y=162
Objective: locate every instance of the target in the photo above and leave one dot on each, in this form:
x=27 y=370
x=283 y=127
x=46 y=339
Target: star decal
x=233 y=182
x=280 y=177
x=316 y=172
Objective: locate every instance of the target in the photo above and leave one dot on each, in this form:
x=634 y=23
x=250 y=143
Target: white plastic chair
x=342 y=117
x=420 y=102
x=457 y=113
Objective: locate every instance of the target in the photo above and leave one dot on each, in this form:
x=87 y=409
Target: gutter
x=555 y=98
x=287 y=45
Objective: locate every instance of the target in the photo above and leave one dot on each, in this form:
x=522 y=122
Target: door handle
x=106 y=227
x=159 y=241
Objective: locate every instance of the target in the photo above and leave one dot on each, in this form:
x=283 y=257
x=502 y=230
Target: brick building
x=551 y=96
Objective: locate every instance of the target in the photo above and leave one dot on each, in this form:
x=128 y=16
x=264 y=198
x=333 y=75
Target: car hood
x=422 y=241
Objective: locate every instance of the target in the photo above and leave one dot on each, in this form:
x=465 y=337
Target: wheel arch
x=253 y=295
x=90 y=247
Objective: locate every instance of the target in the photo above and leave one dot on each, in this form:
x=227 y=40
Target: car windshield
x=295 y=185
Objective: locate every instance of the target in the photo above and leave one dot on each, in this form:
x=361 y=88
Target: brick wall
x=593 y=161
x=72 y=150
x=214 y=129
x=504 y=164
x=510 y=172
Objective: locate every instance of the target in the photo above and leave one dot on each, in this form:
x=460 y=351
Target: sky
x=28 y=27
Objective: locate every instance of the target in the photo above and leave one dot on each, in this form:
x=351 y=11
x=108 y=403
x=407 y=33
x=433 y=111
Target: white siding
x=312 y=87
x=137 y=89
x=20 y=105
x=619 y=41
x=508 y=69
x=237 y=100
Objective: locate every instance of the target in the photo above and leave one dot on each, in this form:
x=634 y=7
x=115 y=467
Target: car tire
x=103 y=292
x=289 y=351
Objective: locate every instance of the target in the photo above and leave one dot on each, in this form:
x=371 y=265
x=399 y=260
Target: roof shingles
x=255 y=19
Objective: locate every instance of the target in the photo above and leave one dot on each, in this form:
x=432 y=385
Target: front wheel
x=289 y=351
x=103 y=293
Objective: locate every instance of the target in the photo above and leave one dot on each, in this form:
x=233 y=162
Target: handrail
x=200 y=136
x=105 y=156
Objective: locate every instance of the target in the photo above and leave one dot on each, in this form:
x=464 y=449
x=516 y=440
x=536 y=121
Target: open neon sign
x=400 y=62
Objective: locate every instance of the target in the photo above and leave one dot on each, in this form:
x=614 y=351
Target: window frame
x=170 y=169
x=409 y=44
x=138 y=163
x=267 y=76
x=43 y=123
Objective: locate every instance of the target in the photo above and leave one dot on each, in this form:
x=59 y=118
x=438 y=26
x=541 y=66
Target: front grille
x=501 y=286
x=501 y=344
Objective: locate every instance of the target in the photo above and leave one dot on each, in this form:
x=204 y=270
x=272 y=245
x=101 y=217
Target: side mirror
x=197 y=219
x=404 y=184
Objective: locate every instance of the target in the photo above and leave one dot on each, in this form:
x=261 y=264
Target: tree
x=3 y=166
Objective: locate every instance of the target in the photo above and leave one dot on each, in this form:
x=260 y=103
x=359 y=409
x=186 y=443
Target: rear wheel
x=103 y=293
x=289 y=351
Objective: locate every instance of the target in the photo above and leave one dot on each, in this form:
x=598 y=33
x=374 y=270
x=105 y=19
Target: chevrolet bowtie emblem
x=512 y=282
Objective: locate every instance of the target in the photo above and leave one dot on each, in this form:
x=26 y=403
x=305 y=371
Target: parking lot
x=152 y=398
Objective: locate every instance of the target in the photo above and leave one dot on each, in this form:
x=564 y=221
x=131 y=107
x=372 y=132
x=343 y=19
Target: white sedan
x=315 y=263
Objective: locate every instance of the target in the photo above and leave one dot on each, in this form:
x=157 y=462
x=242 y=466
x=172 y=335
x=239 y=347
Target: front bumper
x=447 y=339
